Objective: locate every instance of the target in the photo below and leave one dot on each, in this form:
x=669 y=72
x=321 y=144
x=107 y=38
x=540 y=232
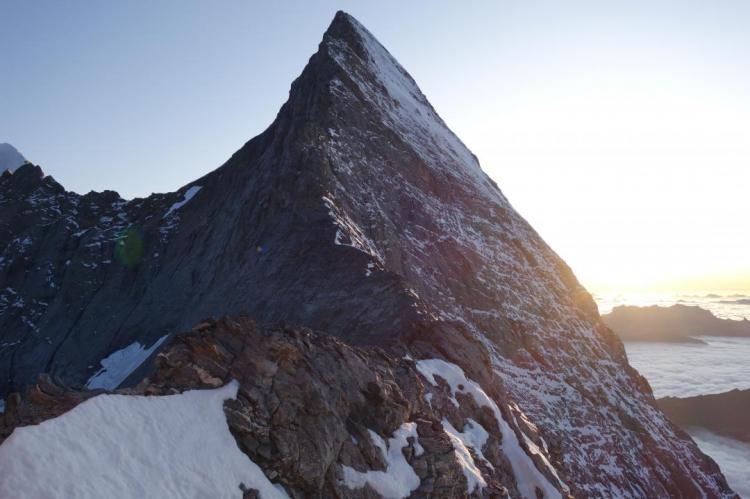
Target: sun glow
x=640 y=182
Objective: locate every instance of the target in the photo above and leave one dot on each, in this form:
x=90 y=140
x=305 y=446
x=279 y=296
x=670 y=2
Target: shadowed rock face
x=675 y=323
x=358 y=213
x=723 y=413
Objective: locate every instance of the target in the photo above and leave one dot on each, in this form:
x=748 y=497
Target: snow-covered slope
x=10 y=158
x=120 y=446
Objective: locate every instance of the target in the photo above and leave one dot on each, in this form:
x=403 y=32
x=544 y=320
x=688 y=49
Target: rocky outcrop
x=44 y=400
x=360 y=214
x=313 y=412
x=316 y=413
x=674 y=323
x=722 y=413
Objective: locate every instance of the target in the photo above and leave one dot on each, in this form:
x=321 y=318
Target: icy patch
x=192 y=191
x=399 y=479
x=120 y=364
x=132 y=446
x=461 y=442
x=528 y=477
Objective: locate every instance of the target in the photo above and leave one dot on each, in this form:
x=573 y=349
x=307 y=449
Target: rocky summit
x=398 y=328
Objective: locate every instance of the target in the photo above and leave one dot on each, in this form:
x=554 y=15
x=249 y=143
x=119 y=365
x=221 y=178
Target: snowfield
x=122 y=446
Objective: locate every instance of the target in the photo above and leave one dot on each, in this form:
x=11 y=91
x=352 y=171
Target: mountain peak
x=370 y=74
x=345 y=27
x=342 y=22
x=358 y=214
x=10 y=158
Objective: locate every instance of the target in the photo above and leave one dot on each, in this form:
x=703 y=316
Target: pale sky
x=620 y=130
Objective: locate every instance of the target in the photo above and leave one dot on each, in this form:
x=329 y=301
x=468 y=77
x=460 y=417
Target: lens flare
x=129 y=247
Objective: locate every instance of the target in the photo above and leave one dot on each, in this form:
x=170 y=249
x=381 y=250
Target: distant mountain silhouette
x=675 y=323
x=723 y=413
x=10 y=158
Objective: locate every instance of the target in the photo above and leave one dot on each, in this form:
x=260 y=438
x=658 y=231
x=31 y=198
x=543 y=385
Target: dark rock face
x=675 y=323
x=358 y=213
x=723 y=413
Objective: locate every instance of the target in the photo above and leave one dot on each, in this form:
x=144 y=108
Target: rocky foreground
x=308 y=406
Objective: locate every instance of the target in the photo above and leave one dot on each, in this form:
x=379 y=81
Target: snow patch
x=169 y=446
x=192 y=191
x=528 y=477
x=460 y=440
x=399 y=479
x=120 y=364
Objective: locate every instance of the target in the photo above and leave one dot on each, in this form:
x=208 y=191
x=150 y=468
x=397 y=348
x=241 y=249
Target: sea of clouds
x=731 y=455
x=687 y=369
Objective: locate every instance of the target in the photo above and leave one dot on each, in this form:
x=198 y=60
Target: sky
x=618 y=129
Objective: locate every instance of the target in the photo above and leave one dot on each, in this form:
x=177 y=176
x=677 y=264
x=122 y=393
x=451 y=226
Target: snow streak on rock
x=398 y=480
x=461 y=442
x=192 y=191
x=527 y=476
